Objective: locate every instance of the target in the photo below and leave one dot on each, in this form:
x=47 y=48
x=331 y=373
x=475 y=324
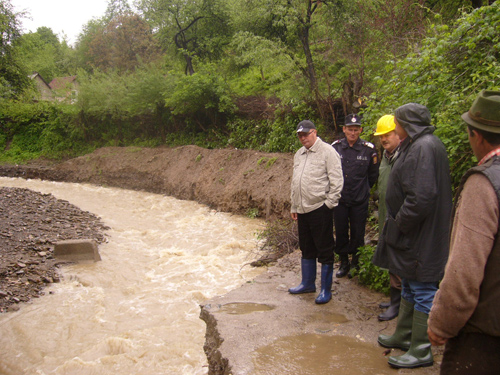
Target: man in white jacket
x=316 y=185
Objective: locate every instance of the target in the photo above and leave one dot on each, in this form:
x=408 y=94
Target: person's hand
x=293 y=215
x=435 y=340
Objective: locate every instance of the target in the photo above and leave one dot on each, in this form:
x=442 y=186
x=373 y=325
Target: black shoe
x=384 y=305
x=343 y=269
x=352 y=272
x=393 y=309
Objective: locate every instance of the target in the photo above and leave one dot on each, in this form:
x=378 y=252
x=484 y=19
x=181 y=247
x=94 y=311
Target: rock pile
x=30 y=224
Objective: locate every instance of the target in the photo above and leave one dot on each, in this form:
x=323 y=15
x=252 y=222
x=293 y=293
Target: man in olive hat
x=466 y=310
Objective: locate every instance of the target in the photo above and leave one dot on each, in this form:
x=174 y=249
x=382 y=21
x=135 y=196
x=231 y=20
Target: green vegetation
x=370 y=275
x=243 y=73
x=252 y=213
x=452 y=65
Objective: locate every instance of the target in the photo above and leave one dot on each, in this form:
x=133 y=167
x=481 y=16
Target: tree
x=42 y=52
x=195 y=28
x=117 y=8
x=122 y=43
x=452 y=65
x=13 y=75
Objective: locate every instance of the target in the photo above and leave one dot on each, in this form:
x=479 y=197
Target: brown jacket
x=469 y=295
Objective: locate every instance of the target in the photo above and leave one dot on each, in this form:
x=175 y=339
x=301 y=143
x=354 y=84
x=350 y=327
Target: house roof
x=61 y=82
x=36 y=74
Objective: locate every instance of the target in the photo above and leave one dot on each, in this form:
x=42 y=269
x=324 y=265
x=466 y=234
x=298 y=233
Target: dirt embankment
x=231 y=180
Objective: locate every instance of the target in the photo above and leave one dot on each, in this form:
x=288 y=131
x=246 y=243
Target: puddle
x=312 y=354
x=240 y=308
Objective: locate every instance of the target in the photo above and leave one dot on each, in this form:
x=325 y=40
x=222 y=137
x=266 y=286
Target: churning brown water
x=136 y=311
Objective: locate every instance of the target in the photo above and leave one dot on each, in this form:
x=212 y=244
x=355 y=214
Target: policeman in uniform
x=360 y=170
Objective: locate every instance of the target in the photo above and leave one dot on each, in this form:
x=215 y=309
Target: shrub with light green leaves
x=369 y=274
x=445 y=74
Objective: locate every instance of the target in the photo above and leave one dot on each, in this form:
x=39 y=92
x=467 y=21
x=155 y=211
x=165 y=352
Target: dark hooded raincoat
x=414 y=241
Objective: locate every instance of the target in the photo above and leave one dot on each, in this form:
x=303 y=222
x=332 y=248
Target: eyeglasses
x=305 y=135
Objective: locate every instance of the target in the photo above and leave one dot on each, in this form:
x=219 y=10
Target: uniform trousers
x=350 y=219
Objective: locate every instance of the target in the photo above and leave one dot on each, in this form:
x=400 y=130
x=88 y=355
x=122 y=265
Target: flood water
x=136 y=311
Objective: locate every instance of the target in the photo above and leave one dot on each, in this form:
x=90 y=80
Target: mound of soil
x=231 y=180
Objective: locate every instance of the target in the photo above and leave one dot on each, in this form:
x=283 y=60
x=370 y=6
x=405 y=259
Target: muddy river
x=136 y=311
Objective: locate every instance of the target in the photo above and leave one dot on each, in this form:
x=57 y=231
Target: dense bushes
x=29 y=131
x=445 y=74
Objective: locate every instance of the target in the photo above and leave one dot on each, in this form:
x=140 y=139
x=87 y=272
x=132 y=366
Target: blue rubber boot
x=308 y=284
x=325 y=294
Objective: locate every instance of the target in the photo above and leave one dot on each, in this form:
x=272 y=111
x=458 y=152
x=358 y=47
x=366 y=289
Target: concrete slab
x=77 y=250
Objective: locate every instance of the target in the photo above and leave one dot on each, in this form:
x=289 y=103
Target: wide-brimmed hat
x=484 y=114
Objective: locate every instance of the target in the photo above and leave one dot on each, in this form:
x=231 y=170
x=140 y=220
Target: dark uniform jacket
x=360 y=170
x=414 y=240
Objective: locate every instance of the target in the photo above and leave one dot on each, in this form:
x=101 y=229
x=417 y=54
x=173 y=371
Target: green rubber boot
x=420 y=353
x=401 y=338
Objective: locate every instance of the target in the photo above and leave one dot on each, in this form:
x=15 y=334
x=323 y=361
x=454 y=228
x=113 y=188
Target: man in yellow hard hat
x=390 y=142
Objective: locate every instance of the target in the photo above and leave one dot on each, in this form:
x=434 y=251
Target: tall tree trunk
x=310 y=70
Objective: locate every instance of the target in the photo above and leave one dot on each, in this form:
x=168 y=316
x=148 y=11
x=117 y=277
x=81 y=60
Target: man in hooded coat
x=414 y=241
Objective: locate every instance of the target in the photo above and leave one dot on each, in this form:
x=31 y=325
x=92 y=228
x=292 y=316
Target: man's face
x=307 y=138
x=352 y=133
x=389 y=141
x=402 y=134
x=474 y=144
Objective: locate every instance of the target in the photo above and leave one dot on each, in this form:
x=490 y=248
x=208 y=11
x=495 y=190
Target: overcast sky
x=64 y=17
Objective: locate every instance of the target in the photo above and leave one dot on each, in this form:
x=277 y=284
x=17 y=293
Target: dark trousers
x=350 y=224
x=316 y=235
x=471 y=353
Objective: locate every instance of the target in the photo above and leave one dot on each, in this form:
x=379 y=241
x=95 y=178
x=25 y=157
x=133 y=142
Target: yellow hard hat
x=385 y=125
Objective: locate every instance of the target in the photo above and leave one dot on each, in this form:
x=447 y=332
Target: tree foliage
x=285 y=60
x=454 y=63
x=120 y=43
x=13 y=75
x=192 y=29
